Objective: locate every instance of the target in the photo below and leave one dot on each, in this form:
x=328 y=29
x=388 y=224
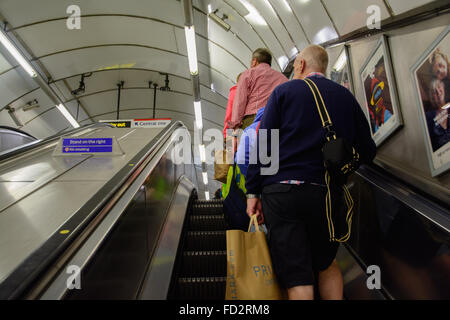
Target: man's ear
x=302 y=66
x=253 y=63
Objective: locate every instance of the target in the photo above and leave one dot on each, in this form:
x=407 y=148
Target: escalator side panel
x=412 y=252
x=157 y=281
x=116 y=257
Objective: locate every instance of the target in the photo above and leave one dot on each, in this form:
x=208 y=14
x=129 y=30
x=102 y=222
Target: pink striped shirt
x=253 y=90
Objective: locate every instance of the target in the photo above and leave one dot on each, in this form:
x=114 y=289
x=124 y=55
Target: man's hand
x=254 y=206
x=235 y=144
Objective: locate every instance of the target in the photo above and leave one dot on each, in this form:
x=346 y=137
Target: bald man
x=292 y=201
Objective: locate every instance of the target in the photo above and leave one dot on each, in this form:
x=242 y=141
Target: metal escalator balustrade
x=203 y=261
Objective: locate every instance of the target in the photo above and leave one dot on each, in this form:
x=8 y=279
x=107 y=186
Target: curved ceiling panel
x=12 y=86
x=136 y=40
x=292 y=25
x=355 y=16
x=401 y=6
x=276 y=25
x=241 y=27
x=315 y=20
x=163 y=10
x=4 y=65
x=98 y=30
x=66 y=64
x=142 y=99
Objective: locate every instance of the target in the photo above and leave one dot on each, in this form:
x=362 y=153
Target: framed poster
x=380 y=93
x=431 y=76
x=341 y=72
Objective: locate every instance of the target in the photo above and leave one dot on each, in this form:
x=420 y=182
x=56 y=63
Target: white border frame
x=435 y=171
x=396 y=121
x=346 y=49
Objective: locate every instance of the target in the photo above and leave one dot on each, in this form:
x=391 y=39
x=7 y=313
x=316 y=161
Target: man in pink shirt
x=254 y=88
x=231 y=96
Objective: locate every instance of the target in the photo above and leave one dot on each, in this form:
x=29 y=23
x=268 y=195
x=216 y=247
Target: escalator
x=202 y=270
x=146 y=235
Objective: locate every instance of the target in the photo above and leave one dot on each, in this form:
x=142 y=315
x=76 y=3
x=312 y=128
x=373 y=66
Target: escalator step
x=207 y=223
x=206 y=208
x=213 y=201
x=204 y=288
x=204 y=264
x=205 y=241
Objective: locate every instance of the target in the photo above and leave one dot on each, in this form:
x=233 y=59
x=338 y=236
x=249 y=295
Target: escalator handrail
x=18 y=131
x=427 y=208
x=35 y=264
x=84 y=248
x=6 y=155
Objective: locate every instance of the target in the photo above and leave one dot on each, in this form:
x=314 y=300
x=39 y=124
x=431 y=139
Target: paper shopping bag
x=249 y=267
x=222 y=162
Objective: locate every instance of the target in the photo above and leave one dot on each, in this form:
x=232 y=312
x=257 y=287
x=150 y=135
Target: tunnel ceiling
x=135 y=41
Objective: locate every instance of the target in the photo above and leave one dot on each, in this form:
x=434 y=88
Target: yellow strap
x=350 y=204
x=317 y=103
x=320 y=95
x=328 y=207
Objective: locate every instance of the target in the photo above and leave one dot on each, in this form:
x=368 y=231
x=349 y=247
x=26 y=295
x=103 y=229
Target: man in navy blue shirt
x=293 y=198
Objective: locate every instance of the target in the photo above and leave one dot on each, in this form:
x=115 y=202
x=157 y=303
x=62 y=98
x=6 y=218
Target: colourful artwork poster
x=432 y=79
x=380 y=94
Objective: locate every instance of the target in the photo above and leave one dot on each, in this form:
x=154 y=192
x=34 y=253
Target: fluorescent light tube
x=202 y=153
x=16 y=54
x=67 y=115
x=340 y=63
x=191 y=49
x=207 y=195
x=205 y=177
x=286 y=5
x=198 y=114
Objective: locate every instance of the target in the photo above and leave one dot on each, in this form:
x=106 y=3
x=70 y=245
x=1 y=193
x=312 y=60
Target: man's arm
x=228 y=112
x=253 y=181
x=240 y=101
x=271 y=120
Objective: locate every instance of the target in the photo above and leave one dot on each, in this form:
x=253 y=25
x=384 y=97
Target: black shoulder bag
x=340 y=161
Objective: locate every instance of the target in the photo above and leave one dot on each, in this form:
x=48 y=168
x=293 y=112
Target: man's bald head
x=311 y=59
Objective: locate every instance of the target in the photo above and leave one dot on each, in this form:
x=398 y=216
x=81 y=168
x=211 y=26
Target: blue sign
x=93 y=145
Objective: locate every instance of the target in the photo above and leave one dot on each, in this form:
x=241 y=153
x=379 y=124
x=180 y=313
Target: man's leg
x=331 y=284
x=301 y=293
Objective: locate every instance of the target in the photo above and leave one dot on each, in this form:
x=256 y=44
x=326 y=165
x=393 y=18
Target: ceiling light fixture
x=16 y=54
x=202 y=153
x=253 y=16
x=198 y=114
x=191 y=49
x=340 y=63
x=67 y=115
x=205 y=178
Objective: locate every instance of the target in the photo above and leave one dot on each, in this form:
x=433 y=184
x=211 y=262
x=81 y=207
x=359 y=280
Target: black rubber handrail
x=424 y=205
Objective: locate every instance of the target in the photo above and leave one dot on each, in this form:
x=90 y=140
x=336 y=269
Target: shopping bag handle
x=254 y=221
